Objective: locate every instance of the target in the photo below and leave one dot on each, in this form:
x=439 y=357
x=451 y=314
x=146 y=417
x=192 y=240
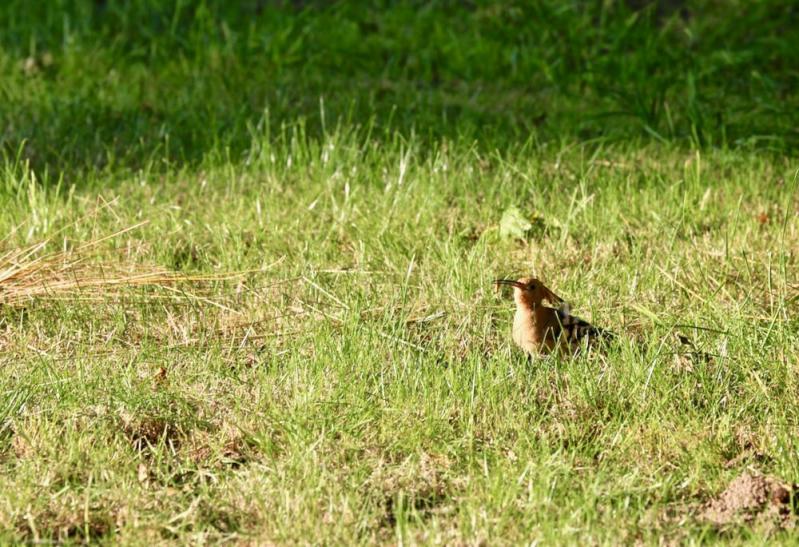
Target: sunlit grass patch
x=355 y=380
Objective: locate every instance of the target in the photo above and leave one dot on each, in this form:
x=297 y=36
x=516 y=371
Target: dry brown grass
x=83 y=272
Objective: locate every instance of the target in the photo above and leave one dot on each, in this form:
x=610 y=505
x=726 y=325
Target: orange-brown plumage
x=538 y=328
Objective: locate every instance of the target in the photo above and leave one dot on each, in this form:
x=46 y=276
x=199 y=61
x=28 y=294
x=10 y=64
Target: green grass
x=356 y=381
x=111 y=84
x=363 y=386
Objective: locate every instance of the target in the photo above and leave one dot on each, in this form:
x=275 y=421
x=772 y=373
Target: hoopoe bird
x=540 y=329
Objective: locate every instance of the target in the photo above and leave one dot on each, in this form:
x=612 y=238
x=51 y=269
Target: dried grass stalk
x=30 y=273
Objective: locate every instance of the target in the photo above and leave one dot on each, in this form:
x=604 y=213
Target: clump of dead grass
x=147 y=431
x=35 y=273
x=224 y=446
x=68 y=518
x=418 y=485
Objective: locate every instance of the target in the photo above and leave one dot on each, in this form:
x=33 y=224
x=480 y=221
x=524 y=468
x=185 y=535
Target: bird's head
x=529 y=292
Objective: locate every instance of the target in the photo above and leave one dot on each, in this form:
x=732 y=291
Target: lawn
x=246 y=257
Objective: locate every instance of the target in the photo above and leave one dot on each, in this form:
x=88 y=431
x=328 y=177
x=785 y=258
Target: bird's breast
x=525 y=333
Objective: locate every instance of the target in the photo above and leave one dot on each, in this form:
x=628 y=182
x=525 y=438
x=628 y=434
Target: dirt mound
x=754 y=499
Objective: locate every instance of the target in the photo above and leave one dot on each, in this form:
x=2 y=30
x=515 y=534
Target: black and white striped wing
x=576 y=329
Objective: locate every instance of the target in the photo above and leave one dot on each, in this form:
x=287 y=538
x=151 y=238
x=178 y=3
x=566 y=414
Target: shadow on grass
x=95 y=84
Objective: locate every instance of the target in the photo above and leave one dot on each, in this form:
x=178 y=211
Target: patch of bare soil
x=754 y=499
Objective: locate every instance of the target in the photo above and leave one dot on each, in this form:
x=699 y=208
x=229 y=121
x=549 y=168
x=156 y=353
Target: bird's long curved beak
x=509 y=282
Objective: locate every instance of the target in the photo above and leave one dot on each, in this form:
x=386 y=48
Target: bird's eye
x=531 y=286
